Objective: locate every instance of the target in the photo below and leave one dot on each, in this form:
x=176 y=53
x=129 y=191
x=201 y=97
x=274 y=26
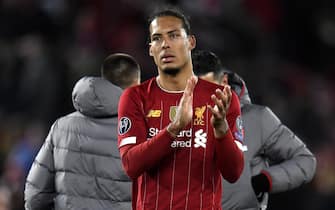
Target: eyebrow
x=169 y=32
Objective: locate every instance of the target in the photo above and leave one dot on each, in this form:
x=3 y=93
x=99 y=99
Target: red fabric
x=176 y=173
x=268 y=176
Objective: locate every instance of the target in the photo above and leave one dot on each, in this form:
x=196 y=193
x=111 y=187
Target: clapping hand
x=222 y=100
x=184 y=112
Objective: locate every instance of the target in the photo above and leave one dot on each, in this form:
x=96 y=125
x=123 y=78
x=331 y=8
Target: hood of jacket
x=96 y=97
x=238 y=85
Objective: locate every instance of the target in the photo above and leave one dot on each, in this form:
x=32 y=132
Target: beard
x=171 y=71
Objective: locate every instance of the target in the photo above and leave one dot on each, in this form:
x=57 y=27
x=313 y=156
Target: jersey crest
x=199 y=115
x=172 y=113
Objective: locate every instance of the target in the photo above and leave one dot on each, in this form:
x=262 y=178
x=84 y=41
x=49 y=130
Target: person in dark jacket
x=78 y=166
x=276 y=160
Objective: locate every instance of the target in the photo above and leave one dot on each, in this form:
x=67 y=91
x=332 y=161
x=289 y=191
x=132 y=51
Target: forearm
x=35 y=199
x=292 y=173
x=39 y=190
x=292 y=163
x=229 y=158
x=139 y=158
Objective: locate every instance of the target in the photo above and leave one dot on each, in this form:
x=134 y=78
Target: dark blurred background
x=284 y=49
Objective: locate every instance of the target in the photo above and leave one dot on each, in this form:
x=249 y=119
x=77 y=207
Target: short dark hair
x=205 y=62
x=120 y=69
x=168 y=10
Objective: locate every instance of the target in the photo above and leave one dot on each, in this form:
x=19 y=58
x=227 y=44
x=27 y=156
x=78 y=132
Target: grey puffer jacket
x=78 y=166
x=271 y=147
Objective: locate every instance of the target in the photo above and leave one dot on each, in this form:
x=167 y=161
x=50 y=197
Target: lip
x=167 y=58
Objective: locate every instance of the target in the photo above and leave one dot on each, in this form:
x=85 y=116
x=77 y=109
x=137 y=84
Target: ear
x=192 y=41
x=224 y=80
x=150 y=50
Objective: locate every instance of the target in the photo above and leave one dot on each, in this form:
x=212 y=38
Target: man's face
x=170 y=46
x=225 y=80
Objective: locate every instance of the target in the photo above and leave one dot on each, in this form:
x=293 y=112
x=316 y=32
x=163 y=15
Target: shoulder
x=235 y=105
x=205 y=89
x=136 y=96
x=265 y=114
x=264 y=110
x=256 y=108
x=74 y=116
x=208 y=85
x=140 y=89
x=74 y=122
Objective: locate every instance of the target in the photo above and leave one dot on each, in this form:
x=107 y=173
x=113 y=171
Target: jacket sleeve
x=39 y=189
x=291 y=162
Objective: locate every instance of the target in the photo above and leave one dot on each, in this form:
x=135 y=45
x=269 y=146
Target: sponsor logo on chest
x=200 y=138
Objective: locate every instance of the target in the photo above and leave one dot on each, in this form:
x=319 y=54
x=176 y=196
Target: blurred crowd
x=284 y=49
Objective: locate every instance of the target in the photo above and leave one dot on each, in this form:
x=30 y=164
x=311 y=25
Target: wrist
x=220 y=128
x=173 y=130
x=260 y=183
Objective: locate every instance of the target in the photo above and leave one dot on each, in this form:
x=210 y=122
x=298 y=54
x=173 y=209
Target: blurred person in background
x=276 y=160
x=177 y=133
x=78 y=166
x=5 y=197
x=19 y=159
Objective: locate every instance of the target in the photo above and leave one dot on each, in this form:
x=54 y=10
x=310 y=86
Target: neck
x=174 y=82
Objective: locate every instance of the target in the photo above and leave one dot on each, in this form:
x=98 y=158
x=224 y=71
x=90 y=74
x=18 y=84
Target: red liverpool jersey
x=182 y=172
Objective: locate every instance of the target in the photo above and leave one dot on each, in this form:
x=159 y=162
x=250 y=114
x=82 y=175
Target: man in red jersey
x=175 y=139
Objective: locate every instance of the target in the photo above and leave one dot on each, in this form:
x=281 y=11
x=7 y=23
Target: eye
x=155 y=38
x=174 y=36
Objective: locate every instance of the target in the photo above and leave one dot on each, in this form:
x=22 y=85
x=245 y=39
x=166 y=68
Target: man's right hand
x=184 y=112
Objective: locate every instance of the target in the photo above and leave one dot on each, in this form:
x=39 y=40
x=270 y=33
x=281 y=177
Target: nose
x=165 y=43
